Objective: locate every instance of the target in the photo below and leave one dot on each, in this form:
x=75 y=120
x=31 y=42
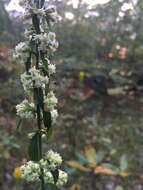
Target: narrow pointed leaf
x=90 y=153
x=18 y=124
x=38 y=97
x=28 y=63
x=47 y=119
x=34 y=151
x=49 y=133
x=36 y=23
x=99 y=157
x=42 y=3
x=110 y=167
x=123 y=163
x=77 y=165
x=55 y=175
x=82 y=159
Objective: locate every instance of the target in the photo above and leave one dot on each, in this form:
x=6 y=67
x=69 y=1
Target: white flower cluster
x=48 y=67
x=50 y=101
x=51 y=69
x=30 y=171
x=47 y=41
x=30 y=8
x=51 y=161
x=33 y=80
x=48 y=178
x=63 y=178
x=26 y=110
x=54 y=114
x=28 y=53
x=20 y=53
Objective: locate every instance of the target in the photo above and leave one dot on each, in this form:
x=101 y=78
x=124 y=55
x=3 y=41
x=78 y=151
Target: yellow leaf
x=75 y=187
x=17 y=173
x=115 y=91
x=101 y=169
x=113 y=152
x=77 y=165
x=92 y=165
x=90 y=154
x=124 y=174
x=10 y=80
x=126 y=87
x=81 y=76
x=122 y=73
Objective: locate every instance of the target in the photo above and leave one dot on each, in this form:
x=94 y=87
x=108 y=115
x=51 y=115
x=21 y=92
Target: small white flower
x=51 y=36
x=51 y=160
x=41 y=12
x=30 y=135
x=54 y=114
x=21 y=47
x=50 y=101
x=51 y=69
x=26 y=109
x=30 y=171
x=63 y=178
x=33 y=79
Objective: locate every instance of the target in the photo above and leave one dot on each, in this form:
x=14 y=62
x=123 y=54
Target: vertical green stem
x=39 y=123
x=37 y=28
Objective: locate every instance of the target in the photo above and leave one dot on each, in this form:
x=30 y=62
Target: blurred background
x=99 y=85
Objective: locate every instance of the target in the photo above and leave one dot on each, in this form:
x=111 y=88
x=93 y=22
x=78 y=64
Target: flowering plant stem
x=36 y=54
x=37 y=29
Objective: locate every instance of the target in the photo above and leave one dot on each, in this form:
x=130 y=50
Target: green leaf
x=18 y=124
x=99 y=157
x=34 y=150
x=28 y=63
x=51 y=187
x=82 y=159
x=55 y=175
x=49 y=133
x=123 y=163
x=90 y=153
x=47 y=119
x=77 y=165
x=36 y=23
x=110 y=167
x=38 y=97
x=42 y=3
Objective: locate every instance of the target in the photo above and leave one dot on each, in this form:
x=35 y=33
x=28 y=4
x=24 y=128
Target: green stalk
x=36 y=24
x=39 y=123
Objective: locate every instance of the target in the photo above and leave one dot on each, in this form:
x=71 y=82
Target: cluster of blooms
x=38 y=77
x=47 y=41
x=50 y=102
x=48 y=67
x=30 y=8
x=26 y=109
x=52 y=160
x=21 y=52
x=51 y=69
x=33 y=79
x=30 y=171
x=48 y=178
